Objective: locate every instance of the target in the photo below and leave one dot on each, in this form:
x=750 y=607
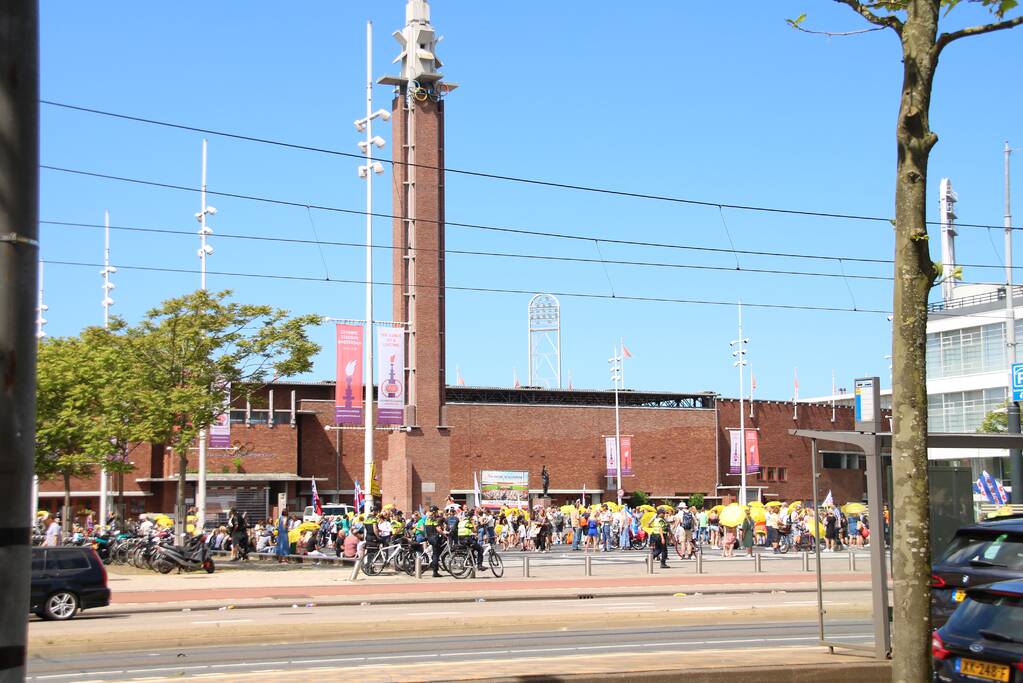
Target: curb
x=841 y=672
x=431 y=598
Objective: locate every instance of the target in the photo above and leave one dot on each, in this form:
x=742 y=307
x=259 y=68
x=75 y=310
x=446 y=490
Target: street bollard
x=806 y=561
x=588 y=565
x=757 y=565
x=649 y=564
x=419 y=566
x=699 y=563
x=355 y=569
x=525 y=566
x=852 y=560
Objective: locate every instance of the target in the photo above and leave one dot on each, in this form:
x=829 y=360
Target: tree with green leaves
x=190 y=350
x=85 y=410
x=916 y=25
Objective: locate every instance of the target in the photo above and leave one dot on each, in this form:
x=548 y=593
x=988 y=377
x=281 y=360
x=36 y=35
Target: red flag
x=795 y=383
x=515 y=374
x=753 y=381
x=625 y=351
x=459 y=380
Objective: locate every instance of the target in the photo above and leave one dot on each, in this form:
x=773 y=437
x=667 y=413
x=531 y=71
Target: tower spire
x=418 y=56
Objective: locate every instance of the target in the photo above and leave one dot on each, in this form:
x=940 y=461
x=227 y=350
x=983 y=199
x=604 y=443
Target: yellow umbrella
x=1003 y=511
x=717 y=508
x=613 y=506
x=773 y=503
x=757 y=514
x=818 y=532
x=389 y=506
x=567 y=509
x=733 y=515
x=854 y=508
x=646 y=508
x=756 y=504
x=795 y=504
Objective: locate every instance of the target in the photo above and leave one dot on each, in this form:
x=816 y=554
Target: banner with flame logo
x=349 y=389
x=391 y=375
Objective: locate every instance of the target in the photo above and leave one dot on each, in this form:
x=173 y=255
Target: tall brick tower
x=416 y=470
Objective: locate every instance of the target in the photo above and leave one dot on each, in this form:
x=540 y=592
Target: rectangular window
x=832 y=461
x=770 y=474
x=783 y=474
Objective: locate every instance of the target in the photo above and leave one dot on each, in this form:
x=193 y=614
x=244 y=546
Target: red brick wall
x=778 y=448
x=673 y=449
x=421 y=455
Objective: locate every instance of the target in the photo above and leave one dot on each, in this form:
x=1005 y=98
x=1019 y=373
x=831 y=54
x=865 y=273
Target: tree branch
x=891 y=22
x=947 y=38
x=835 y=34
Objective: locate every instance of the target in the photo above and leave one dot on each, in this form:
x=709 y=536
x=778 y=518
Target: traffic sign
x=1016 y=378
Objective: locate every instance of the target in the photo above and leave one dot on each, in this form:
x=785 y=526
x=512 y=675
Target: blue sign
x=1017 y=381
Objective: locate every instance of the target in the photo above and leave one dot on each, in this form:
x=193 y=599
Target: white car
x=329 y=510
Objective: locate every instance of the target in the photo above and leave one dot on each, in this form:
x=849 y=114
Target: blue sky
x=692 y=100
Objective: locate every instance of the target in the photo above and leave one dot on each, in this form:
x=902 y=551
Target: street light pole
x=366 y=172
x=740 y=356
x=104 y=494
x=1012 y=415
x=616 y=376
x=204 y=250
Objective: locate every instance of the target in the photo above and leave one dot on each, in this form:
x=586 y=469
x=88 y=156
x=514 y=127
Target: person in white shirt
x=52 y=533
x=146 y=528
x=772 y=528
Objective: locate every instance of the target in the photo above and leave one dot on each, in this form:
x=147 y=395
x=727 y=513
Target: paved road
x=433 y=650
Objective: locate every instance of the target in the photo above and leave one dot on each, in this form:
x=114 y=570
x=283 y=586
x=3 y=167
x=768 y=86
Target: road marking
x=708 y=609
x=435 y=614
x=222 y=621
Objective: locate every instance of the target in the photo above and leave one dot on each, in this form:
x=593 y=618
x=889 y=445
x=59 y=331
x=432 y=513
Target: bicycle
x=375 y=561
x=462 y=563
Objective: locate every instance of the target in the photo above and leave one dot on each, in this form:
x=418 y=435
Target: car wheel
x=60 y=606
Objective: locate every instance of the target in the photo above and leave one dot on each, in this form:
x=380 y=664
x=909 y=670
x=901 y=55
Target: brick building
x=284 y=435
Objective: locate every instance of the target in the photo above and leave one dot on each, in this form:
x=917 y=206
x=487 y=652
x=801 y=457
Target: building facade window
x=963 y=411
x=783 y=474
x=967 y=351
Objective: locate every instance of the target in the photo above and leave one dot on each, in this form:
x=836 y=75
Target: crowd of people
x=600 y=527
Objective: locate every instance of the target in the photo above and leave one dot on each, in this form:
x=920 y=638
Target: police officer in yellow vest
x=659 y=538
x=467 y=535
x=433 y=527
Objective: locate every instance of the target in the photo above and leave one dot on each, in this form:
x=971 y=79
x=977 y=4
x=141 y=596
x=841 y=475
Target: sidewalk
x=239 y=589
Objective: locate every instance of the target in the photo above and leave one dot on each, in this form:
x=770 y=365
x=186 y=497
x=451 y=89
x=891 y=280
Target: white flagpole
x=740 y=355
x=832 y=395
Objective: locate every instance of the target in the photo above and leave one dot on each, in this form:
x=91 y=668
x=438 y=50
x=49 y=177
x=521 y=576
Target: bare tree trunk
x=914 y=275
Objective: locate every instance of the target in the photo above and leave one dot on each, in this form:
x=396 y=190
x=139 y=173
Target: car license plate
x=958 y=595
x=987 y=670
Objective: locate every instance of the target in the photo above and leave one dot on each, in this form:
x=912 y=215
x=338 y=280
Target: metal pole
x=104 y=496
x=817 y=535
x=368 y=341
x=1012 y=416
x=878 y=569
x=618 y=428
x=200 y=487
x=741 y=355
x=19 y=257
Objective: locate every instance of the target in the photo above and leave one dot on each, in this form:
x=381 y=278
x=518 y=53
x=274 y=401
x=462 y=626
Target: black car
x=978 y=555
x=65 y=580
x=983 y=639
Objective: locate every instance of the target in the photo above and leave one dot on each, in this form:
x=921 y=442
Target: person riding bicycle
x=467 y=538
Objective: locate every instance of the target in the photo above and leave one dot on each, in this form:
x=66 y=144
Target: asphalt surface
x=432 y=650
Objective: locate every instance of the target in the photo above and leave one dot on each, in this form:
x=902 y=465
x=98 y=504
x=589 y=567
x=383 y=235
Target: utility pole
x=740 y=362
x=19 y=257
x=616 y=376
x=104 y=495
x=1012 y=417
x=366 y=172
x=205 y=250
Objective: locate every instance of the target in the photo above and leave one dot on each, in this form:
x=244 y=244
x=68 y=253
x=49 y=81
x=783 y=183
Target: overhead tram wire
x=492 y=228
x=462 y=252
x=496 y=176
x=484 y=290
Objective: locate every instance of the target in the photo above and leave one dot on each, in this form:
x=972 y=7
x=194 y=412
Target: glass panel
x=951 y=354
x=972 y=351
x=994 y=347
x=934 y=356
x=935 y=413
